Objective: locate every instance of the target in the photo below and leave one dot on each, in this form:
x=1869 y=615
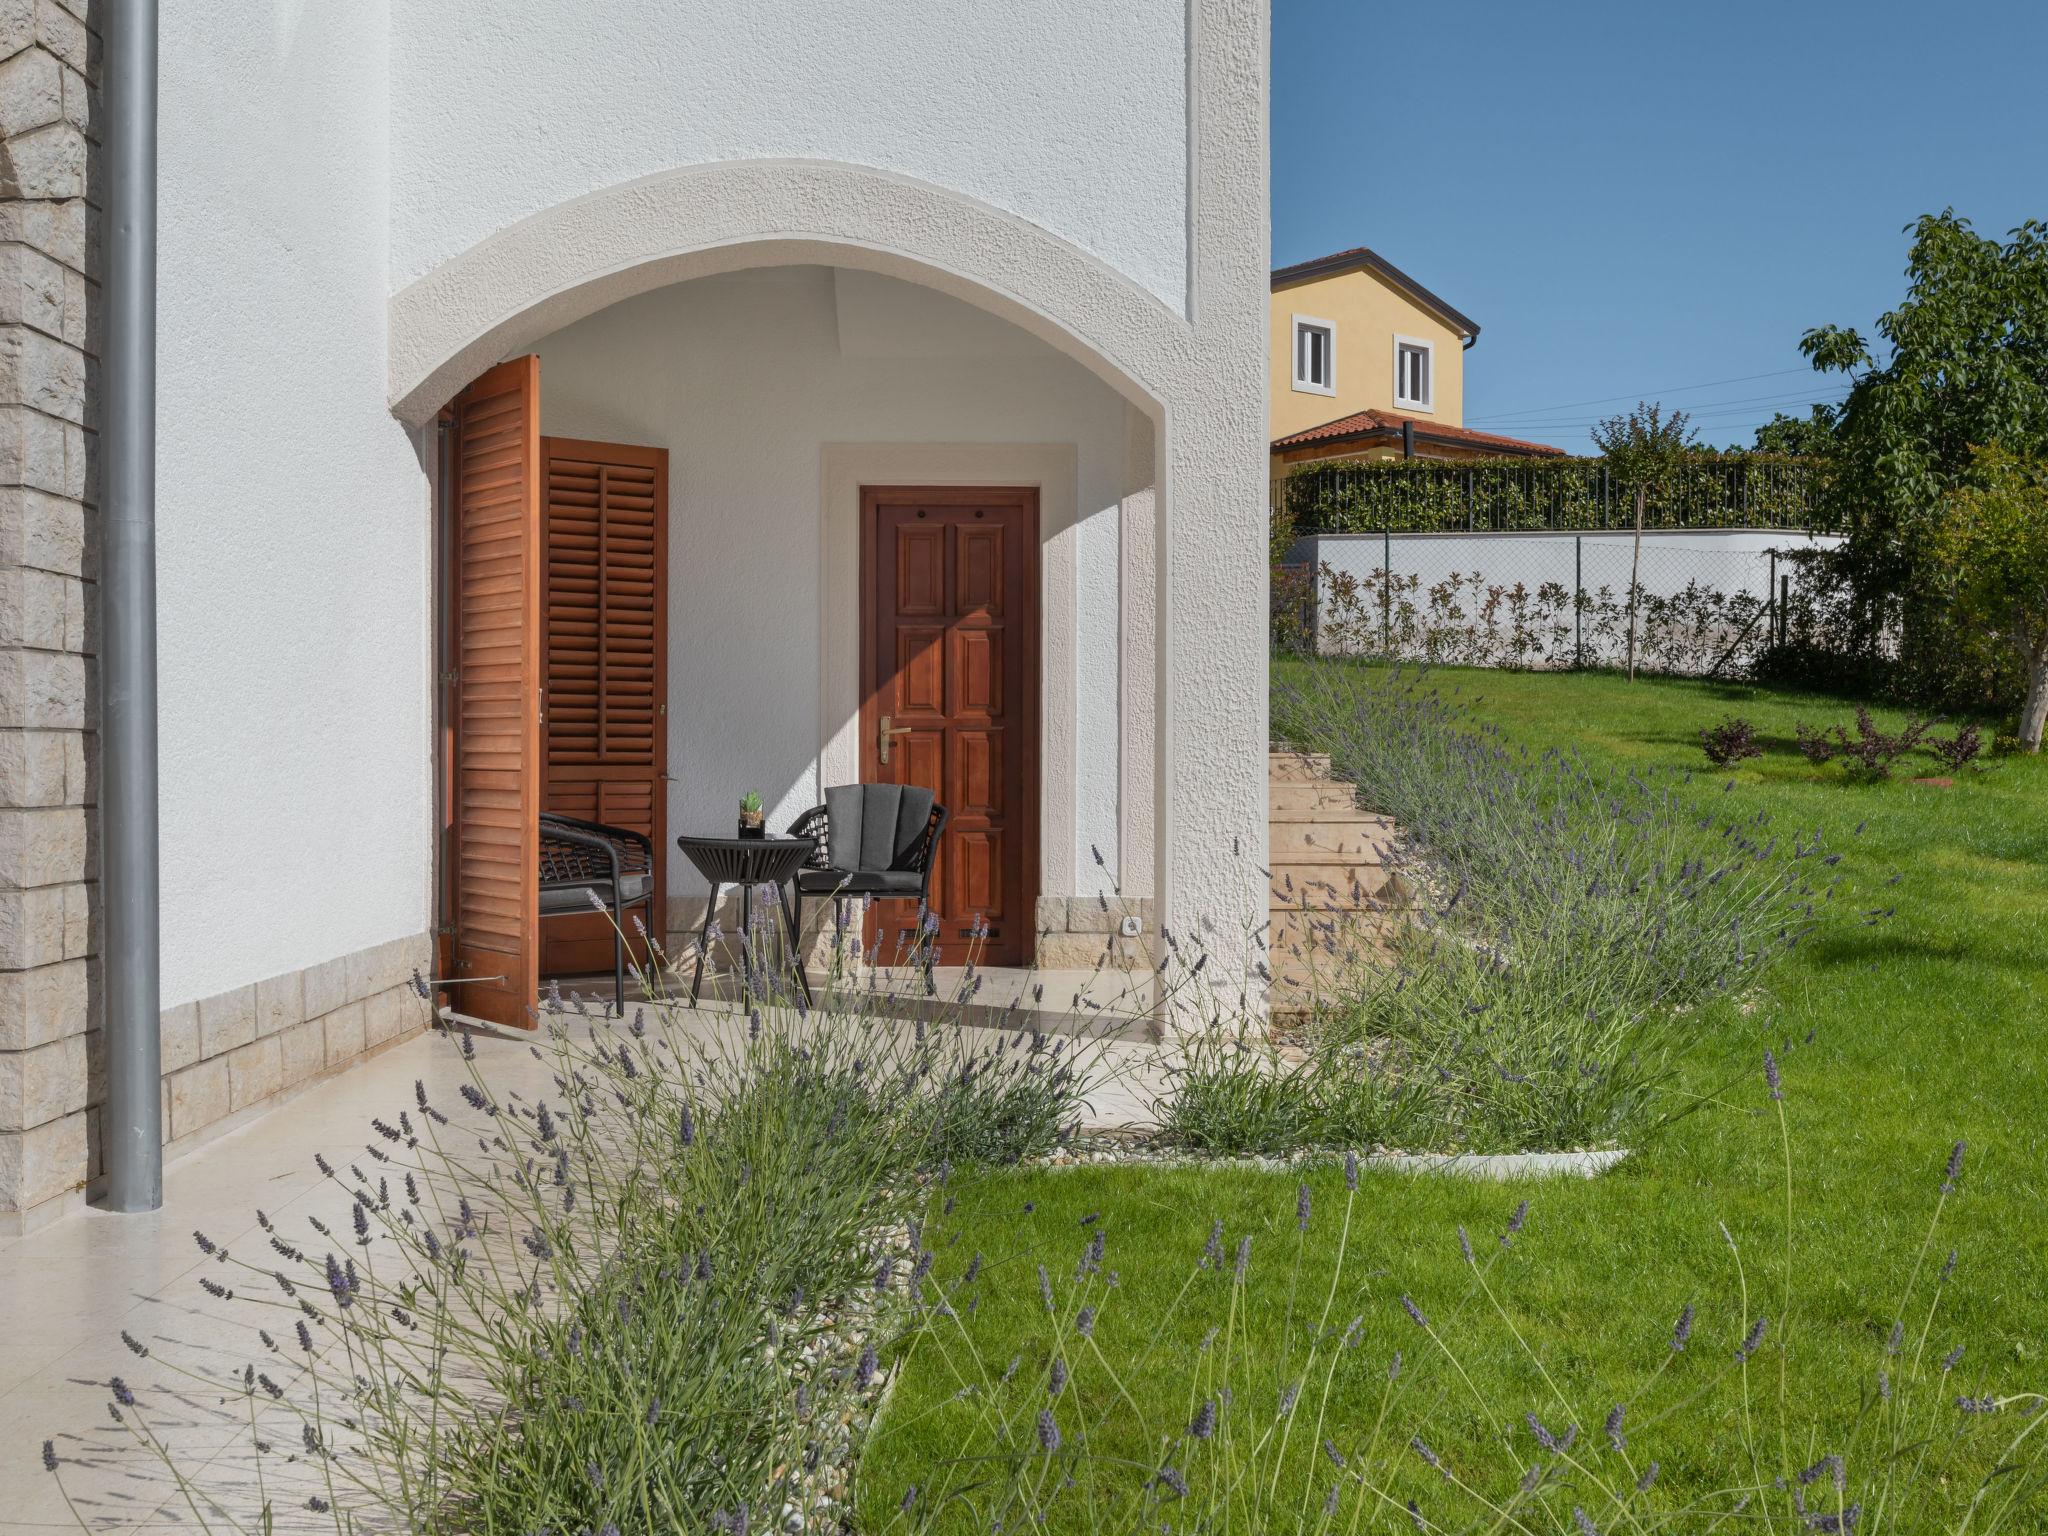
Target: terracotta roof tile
x=1385 y=424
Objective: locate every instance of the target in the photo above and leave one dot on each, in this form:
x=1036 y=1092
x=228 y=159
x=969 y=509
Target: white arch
x=1199 y=376
x=573 y=259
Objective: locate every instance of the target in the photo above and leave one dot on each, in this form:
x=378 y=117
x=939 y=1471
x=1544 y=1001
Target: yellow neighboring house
x=1369 y=364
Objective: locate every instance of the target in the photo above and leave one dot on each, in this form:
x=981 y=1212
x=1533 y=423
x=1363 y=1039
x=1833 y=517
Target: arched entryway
x=545 y=283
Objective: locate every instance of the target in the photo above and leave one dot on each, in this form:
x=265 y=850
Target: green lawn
x=1928 y=1027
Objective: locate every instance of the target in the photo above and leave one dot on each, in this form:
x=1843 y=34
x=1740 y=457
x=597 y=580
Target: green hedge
x=1745 y=490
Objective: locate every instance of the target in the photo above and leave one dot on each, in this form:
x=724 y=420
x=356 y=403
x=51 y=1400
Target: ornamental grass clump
x=1567 y=935
x=626 y=1284
x=1290 y=1381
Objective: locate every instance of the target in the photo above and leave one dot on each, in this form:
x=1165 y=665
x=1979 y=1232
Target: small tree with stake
x=1646 y=451
x=1990 y=541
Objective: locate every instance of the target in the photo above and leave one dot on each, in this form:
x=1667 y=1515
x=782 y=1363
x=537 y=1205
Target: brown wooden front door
x=949 y=668
x=605 y=654
x=492 y=709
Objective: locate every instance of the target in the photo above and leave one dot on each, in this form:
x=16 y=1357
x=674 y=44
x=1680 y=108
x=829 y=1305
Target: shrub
x=1870 y=754
x=1465 y=619
x=1958 y=751
x=1747 y=490
x=1730 y=742
x=1814 y=745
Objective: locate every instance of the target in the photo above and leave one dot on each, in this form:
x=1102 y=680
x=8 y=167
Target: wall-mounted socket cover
x=1129 y=926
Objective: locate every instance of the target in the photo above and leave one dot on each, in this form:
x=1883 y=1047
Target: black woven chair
x=585 y=867
x=873 y=840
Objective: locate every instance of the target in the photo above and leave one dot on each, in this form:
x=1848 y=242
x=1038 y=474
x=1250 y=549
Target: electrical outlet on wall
x=1129 y=926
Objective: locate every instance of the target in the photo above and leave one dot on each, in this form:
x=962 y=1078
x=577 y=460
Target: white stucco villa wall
x=1070 y=114
x=751 y=380
x=293 y=551
x=362 y=209
x=1195 y=367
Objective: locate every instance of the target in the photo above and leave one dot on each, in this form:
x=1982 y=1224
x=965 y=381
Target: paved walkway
x=68 y=1290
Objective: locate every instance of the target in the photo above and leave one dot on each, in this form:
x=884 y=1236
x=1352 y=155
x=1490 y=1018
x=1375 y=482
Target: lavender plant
x=625 y=1289
x=1570 y=933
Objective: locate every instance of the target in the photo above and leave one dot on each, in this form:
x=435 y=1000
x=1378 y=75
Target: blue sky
x=1631 y=198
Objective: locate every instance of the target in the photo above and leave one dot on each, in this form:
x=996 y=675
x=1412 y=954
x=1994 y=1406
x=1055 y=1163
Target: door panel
x=605 y=734
x=494 y=706
x=949 y=651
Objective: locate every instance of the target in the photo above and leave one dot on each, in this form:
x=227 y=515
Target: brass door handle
x=883 y=732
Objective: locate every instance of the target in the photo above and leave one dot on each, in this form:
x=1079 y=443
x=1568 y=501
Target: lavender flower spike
x=1048 y=1431
x=1515 y=1221
x=1752 y=1339
x=1955 y=1168
x=1683 y=1332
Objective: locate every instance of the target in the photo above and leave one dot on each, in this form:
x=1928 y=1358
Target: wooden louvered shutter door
x=495 y=740
x=605 y=732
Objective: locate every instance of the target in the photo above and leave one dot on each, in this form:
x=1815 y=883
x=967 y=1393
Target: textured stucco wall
x=293 y=553
x=1068 y=113
x=1198 y=370
x=745 y=379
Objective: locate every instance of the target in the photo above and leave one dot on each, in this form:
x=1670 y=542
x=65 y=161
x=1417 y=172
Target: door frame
x=1028 y=855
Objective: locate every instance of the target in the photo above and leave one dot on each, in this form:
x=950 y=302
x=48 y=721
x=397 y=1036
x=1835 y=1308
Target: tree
x=1965 y=362
x=1646 y=451
x=1806 y=437
x=1991 y=540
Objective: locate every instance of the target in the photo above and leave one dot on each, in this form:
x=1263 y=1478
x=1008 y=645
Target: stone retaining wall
x=225 y=1059
x=49 y=59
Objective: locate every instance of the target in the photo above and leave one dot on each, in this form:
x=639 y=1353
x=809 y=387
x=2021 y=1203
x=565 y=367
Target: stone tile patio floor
x=69 y=1289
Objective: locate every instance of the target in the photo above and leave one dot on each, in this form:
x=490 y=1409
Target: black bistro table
x=748 y=862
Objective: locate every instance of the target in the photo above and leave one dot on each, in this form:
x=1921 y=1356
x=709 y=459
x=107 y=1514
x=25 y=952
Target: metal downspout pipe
x=132 y=1129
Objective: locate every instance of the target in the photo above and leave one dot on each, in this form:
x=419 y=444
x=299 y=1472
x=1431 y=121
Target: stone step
x=1339 y=886
x=1327 y=816
x=1327 y=934
x=1326 y=842
x=1298 y=797
x=1297 y=767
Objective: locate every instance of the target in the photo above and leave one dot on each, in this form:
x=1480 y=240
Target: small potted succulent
x=751 y=818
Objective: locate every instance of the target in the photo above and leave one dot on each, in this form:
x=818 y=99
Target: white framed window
x=1315 y=356
x=1414 y=373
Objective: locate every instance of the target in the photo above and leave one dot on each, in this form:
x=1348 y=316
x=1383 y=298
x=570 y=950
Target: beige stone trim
x=226 y=1059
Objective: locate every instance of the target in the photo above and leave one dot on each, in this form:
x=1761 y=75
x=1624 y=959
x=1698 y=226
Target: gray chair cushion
x=558 y=899
x=853 y=882
x=876 y=827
